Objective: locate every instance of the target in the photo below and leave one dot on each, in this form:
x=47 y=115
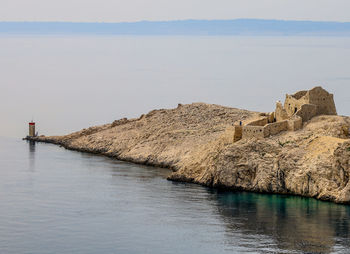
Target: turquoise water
x=57 y=201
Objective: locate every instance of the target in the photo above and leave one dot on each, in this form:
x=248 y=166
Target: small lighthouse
x=31 y=129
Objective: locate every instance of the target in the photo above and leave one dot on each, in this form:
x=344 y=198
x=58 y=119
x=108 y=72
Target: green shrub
x=283 y=144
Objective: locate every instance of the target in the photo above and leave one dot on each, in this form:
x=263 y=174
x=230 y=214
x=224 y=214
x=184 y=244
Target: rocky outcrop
x=197 y=142
x=313 y=162
x=159 y=138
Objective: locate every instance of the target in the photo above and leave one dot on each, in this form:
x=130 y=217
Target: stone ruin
x=297 y=109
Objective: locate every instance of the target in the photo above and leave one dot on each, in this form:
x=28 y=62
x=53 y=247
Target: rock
x=196 y=141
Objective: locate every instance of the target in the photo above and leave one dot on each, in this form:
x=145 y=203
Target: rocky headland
x=199 y=143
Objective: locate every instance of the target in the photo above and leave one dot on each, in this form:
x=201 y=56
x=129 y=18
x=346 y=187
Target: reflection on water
x=31 y=154
x=57 y=201
x=294 y=223
x=31 y=146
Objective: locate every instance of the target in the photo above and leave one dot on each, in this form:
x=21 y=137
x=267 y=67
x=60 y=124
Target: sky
x=136 y=10
x=67 y=83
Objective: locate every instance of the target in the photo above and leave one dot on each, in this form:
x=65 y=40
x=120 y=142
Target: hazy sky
x=134 y=10
x=72 y=82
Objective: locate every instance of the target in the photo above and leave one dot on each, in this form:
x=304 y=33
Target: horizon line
x=174 y=20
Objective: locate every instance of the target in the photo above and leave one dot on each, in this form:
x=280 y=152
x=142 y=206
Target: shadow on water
x=295 y=224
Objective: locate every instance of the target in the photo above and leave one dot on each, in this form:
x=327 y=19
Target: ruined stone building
x=298 y=108
x=306 y=104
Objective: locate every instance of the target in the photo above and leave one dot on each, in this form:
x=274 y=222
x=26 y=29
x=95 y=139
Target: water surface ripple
x=57 y=201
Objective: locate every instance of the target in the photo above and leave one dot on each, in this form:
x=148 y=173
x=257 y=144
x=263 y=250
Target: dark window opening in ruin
x=295 y=110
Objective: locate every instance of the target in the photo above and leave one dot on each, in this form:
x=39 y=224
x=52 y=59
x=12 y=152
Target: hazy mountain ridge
x=183 y=27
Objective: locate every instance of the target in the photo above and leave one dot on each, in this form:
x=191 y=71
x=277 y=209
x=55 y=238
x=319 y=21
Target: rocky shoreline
x=197 y=142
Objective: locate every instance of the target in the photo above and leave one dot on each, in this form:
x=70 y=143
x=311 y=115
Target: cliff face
x=312 y=162
x=197 y=142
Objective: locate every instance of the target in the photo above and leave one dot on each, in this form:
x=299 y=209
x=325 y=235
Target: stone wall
x=298 y=108
x=259 y=122
x=296 y=123
x=270 y=129
x=271 y=117
x=292 y=104
x=253 y=132
x=299 y=94
x=237 y=135
x=264 y=131
x=323 y=100
x=317 y=96
x=307 y=111
x=275 y=128
x=280 y=113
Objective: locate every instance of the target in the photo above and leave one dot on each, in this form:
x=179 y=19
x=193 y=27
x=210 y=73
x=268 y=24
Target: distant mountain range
x=253 y=27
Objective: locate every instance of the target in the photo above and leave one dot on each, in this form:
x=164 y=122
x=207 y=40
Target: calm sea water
x=57 y=201
x=67 y=83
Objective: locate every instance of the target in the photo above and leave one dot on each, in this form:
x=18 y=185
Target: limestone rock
x=197 y=142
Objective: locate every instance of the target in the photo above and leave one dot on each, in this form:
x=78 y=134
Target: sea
x=67 y=82
x=54 y=200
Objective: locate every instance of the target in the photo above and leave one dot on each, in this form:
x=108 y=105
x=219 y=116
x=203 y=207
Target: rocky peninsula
x=302 y=148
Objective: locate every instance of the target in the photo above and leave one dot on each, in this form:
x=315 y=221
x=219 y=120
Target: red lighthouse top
x=31 y=123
